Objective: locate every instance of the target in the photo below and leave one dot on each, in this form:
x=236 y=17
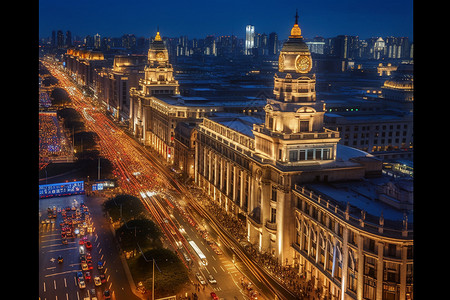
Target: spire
x=295 y=31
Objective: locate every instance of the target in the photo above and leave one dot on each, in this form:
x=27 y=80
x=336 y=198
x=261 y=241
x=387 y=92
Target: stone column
x=360 y=280
x=380 y=271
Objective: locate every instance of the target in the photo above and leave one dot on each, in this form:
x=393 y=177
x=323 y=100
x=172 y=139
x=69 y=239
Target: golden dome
x=296 y=32
x=158 y=37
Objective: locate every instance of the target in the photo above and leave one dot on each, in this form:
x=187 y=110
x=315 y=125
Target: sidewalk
x=126 y=269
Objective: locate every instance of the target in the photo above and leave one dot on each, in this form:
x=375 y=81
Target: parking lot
x=70 y=252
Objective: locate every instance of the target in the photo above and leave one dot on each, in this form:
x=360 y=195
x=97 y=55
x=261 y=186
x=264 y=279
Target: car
x=88 y=256
x=80 y=274
x=211 y=279
x=90 y=266
x=81 y=250
x=97 y=281
x=200 y=278
x=106 y=294
x=87 y=276
x=60 y=259
x=81 y=283
x=84 y=266
x=100 y=265
x=81 y=242
x=214 y=296
x=88 y=245
x=102 y=278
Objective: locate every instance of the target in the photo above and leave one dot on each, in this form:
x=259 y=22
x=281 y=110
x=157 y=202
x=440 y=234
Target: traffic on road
x=143 y=176
x=70 y=254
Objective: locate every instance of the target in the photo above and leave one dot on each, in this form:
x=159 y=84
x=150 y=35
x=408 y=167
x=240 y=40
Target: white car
x=97 y=281
x=211 y=279
x=200 y=278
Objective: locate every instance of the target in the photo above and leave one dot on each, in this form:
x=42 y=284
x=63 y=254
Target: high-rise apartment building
x=249 y=39
x=273 y=43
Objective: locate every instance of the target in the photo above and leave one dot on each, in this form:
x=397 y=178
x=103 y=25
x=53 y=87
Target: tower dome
x=295 y=55
x=157 y=53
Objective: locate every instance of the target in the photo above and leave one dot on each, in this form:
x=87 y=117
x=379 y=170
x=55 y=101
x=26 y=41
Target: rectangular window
x=293 y=155
x=302 y=155
x=318 y=154
x=273 y=215
x=270 y=123
x=310 y=154
x=304 y=126
x=274 y=194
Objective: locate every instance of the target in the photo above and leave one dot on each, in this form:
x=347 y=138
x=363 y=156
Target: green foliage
x=142 y=231
x=131 y=207
x=170 y=280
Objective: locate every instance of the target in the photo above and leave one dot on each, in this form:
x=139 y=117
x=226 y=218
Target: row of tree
x=138 y=233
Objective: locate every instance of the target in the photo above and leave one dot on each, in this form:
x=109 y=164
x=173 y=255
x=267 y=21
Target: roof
x=238 y=122
x=294 y=45
x=361 y=195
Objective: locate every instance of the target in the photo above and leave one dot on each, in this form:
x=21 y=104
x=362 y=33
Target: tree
x=124 y=207
x=170 y=274
x=142 y=231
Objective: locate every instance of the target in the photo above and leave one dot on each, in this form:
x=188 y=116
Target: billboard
x=61 y=189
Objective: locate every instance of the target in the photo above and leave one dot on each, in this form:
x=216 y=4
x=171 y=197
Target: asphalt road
x=58 y=280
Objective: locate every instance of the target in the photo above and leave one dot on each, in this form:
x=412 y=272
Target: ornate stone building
x=156 y=106
x=311 y=203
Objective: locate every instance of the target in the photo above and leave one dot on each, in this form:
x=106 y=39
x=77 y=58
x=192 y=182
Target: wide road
x=140 y=174
x=58 y=280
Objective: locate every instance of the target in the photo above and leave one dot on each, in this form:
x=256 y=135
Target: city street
x=59 y=280
x=138 y=173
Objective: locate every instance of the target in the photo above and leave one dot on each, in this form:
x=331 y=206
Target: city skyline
x=196 y=20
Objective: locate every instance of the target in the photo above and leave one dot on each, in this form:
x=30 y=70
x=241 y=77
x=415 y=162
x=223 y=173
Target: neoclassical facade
x=278 y=174
x=156 y=106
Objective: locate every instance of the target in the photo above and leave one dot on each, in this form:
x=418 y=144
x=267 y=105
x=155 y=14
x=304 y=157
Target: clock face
x=303 y=64
x=160 y=56
x=281 y=63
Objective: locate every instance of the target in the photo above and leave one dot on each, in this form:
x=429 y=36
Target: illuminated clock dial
x=303 y=64
x=160 y=56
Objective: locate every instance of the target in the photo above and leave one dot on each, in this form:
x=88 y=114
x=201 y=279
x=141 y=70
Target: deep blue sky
x=198 y=18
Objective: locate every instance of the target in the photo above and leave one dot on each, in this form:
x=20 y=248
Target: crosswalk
x=228 y=266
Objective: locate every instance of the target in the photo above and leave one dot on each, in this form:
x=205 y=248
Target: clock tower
x=294 y=118
x=294 y=82
x=158 y=79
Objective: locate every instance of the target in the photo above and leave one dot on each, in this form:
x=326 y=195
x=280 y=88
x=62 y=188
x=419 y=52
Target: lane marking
x=56 y=274
x=62 y=249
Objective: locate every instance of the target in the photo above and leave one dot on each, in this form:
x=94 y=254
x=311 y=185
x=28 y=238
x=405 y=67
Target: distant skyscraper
x=53 y=38
x=97 y=41
x=273 y=43
x=249 y=39
x=68 y=39
x=60 y=39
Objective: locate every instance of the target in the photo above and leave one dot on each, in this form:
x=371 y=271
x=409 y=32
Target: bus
x=199 y=253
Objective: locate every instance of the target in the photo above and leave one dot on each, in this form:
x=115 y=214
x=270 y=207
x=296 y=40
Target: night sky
x=197 y=19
